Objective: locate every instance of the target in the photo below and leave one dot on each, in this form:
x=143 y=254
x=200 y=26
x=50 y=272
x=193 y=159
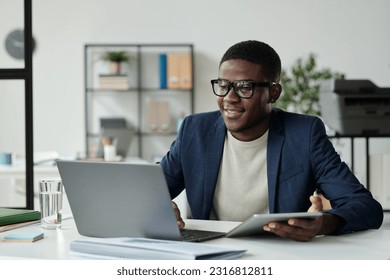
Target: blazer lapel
x=275 y=142
x=215 y=143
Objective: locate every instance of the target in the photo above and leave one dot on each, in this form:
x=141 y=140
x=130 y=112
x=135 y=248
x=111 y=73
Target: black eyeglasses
x=243 y=89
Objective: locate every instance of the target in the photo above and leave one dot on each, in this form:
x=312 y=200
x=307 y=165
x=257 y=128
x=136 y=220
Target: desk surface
x=367 y=245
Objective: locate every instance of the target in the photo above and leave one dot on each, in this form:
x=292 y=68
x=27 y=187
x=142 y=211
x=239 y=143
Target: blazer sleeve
x=172 y=166
x=349 y=199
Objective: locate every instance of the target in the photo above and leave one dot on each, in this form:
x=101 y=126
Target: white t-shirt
x=242 y=185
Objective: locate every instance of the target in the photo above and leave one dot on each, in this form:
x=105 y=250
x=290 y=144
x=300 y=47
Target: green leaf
x=116 y=56
x=301 y=85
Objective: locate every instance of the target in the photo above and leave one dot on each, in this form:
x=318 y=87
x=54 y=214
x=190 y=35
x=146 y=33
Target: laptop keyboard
x=191 y=235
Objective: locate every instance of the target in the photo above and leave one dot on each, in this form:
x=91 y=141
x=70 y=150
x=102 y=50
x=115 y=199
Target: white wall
x=350 y=36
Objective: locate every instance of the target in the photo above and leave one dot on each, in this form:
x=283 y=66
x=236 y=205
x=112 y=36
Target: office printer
x=355 y=107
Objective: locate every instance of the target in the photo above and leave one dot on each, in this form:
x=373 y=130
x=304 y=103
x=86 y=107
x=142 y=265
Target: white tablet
x=254 y=224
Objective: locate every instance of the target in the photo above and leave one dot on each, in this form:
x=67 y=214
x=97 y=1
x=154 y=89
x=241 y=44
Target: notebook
x=122 y=200
x=14 y=216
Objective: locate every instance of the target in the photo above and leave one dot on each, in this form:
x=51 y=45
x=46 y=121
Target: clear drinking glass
x=50 y=200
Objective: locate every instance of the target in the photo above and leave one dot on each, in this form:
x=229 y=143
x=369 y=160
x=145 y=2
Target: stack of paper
x=150 y=249
x=17 y=225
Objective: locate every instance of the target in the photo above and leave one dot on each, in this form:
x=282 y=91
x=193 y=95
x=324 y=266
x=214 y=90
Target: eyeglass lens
x=242 y=88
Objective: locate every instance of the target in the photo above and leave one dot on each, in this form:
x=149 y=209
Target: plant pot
x=115 y=67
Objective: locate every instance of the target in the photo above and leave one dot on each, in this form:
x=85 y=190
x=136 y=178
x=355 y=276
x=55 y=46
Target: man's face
x=246 y=119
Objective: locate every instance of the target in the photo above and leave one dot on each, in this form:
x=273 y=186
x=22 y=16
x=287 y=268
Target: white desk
x=367 y=245
x=13 y=183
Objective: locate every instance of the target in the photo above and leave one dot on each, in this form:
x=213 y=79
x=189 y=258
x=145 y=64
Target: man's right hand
x=180 y=222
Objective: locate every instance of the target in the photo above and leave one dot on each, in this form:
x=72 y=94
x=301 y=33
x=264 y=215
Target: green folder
x=14 y=216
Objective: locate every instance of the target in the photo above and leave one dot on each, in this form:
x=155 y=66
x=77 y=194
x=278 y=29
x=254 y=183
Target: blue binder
x=163 y=71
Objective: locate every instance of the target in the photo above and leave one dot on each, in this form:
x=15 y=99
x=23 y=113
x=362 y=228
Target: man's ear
x=275 y=91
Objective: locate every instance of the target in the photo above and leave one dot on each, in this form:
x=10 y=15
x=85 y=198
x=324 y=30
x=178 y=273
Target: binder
x=158 y=116
x=152 y=115
x=380 y=178
x=163 y=70
x=173 y=71
x=185 y=70
x=163 y=116
x=179 y=71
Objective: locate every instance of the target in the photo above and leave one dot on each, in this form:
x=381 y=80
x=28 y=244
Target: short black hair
x=258 y=53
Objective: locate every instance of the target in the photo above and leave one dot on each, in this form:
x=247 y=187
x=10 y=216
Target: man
x=249 y=158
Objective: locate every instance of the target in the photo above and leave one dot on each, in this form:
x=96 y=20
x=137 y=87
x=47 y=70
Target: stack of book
x=117 y=82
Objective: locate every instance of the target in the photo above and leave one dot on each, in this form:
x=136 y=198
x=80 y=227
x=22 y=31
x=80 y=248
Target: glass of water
x=50 y=200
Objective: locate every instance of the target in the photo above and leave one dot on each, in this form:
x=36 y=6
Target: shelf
x=138 y=89
x=167 y=90
x=142 y=133
x=161 y=134
x=146 y=102
x=111 y=90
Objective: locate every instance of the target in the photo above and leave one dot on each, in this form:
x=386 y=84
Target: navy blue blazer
x=300 y=158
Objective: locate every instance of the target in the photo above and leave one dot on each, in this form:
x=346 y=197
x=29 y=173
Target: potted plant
x=301 y=86
x=116 y=58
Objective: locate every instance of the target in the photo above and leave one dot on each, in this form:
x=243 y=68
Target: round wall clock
x=14 y=44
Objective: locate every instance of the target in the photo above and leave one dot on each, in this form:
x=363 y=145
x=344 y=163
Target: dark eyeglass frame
x=234 y=85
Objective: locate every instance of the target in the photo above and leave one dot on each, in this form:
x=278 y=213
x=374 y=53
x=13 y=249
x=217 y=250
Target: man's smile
x=233 y=112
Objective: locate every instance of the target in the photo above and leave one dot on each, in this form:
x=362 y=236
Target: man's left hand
x=299 y=229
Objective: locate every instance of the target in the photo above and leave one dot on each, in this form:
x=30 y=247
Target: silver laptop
x=122 y=200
